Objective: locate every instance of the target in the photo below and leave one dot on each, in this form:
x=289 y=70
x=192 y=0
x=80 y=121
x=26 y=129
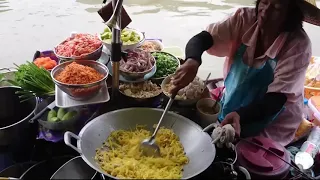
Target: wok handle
x=245 y=172
x=67 y=140
x=210 y=128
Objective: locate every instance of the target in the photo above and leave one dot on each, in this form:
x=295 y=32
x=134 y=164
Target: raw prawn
x=78 y=45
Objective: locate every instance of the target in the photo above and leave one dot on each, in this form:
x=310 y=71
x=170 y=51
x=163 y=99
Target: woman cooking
x=267 y=54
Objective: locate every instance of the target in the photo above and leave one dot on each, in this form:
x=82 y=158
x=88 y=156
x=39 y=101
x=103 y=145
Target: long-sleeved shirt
x=292 y=51
x=270 y=104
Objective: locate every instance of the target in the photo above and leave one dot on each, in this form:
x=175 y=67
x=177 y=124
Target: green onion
x=33 y=81
x=166 y=64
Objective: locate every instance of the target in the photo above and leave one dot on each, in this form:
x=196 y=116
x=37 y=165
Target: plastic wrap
x=313 y=73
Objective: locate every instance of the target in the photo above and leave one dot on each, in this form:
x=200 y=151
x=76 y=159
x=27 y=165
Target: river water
x=28 y=25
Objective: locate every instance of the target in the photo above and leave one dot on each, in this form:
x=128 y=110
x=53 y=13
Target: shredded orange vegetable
x=45 y=62
x=75 y=73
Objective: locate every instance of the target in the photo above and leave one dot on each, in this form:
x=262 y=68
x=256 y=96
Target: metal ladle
x=149 y=146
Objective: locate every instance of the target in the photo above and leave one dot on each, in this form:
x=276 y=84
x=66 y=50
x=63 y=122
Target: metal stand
x=116 y=46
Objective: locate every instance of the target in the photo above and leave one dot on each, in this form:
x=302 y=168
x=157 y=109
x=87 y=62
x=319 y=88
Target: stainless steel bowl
x=179 y=101
x=95 y=55
x=160 y=79
x=137 y=75
x=81 y=91
x=140 y=102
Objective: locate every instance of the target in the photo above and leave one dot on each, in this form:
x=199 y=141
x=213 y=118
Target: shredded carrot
x=75 y=73
x=45 y=62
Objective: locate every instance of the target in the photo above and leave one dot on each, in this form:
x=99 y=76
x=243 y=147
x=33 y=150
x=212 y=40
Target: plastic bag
x=303 y=130
x=217 y=93
x=313 y=73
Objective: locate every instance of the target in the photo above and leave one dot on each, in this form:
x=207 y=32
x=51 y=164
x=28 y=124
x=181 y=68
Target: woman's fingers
x=177 y=81
x=174 y=90
x=237 y=128
x=179 y=69
x=183 y=76
x=177 y=73
x=226 y=121
x=178 y=77
x=234 y=121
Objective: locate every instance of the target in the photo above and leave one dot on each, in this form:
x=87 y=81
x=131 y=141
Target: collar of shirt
x=250 y=38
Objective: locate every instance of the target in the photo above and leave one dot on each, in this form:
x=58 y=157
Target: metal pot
x=197 y=144
x=75 y=168
x=7 y=74
x=16 y=170
x=15 y=129
x=45 y=169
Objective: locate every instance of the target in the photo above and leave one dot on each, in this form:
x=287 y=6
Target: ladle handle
x=163 y=114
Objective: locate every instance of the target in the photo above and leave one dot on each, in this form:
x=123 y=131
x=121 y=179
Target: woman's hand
x=233 y=119
x=185 y=74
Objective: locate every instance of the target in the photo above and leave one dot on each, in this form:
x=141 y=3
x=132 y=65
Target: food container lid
x=260 y=162
x=304 y=160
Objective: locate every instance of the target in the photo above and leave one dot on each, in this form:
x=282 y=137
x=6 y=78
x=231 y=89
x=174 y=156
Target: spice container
x=309 y=149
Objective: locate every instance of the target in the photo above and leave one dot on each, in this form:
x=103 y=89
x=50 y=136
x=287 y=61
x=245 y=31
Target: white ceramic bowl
x=154 y=41
x=127 y=47
x=206 y=118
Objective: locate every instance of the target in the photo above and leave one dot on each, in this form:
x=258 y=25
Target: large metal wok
x=197 y=144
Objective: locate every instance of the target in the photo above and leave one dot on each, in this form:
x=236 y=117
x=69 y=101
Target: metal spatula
x=149 y=146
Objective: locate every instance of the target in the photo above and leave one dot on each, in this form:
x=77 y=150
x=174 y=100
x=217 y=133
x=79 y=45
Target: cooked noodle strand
x=121 y=157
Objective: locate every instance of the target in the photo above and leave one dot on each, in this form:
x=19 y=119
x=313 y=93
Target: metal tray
x=64 y=101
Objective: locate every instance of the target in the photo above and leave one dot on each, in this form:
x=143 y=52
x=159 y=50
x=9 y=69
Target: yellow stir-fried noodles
x=121 y=157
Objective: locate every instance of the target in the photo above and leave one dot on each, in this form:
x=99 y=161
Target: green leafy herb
x=33 y=81
x=166 y=64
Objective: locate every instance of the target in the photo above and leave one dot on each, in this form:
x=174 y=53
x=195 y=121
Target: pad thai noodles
x=121 y=157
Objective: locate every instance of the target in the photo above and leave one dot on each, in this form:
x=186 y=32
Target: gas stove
x=41 y=150
x=222 y=167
